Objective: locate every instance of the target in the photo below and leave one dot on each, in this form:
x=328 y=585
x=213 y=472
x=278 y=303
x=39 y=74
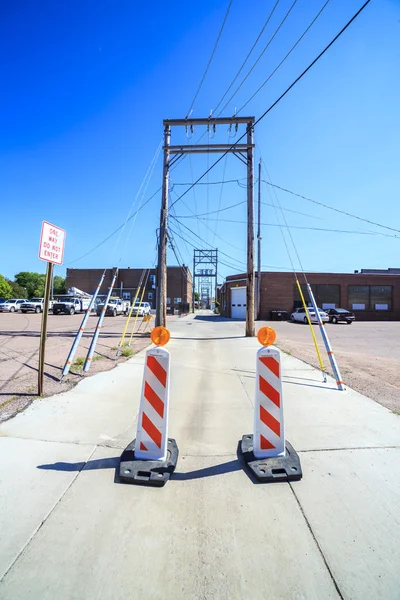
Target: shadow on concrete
x=213 y=318
x=90 y=465
x=113 y=463
x=322 y=387
x=228 y=467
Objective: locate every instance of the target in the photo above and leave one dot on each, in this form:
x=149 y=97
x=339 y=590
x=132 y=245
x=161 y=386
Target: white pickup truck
x=34 y=305
x=115 y=307
x=70 y=305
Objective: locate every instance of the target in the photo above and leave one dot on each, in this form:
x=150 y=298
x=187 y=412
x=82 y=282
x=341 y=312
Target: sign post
x=51 y=249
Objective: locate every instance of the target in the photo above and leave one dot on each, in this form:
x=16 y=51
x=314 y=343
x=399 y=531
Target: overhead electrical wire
x=301 y=227
x=286 y=190
x=338 y=210
x=240 y=263
x=304 y=72
x=259 y=57
x=287 y=90
x=285 y=57
x=247 y=57
x=245 y=202
x=210 y=59
x=130 y=215
x=205 y=225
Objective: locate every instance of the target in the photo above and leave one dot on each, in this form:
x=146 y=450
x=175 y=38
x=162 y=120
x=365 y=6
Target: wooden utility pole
x=259 y=238
x=161 y=306
x=250 y=328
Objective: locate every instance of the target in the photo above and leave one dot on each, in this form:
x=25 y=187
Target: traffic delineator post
x=266 y=453
x=152 y=457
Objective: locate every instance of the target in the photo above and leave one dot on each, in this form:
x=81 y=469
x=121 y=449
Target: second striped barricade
x=267 y=454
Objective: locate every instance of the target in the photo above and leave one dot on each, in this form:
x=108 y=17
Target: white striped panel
x=269 y=406
x=269 y=376
x=153 y=415
x=153 y=451
x=154 y=383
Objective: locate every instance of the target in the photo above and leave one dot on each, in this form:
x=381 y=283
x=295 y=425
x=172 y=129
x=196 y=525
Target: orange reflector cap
x=266 y=336
x=160 y=336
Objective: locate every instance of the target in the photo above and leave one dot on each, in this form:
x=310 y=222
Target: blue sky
x=87 y=85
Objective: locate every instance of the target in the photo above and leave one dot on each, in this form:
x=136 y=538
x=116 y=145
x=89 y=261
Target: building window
x=370 y=297
x=327 y=295
x=126 y=295
x=177 y=300
x=150 y=295
x=168 y=300
x=381 y=297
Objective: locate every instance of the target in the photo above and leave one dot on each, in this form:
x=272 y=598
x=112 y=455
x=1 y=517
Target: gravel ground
x=368 y=354
x=19 y=347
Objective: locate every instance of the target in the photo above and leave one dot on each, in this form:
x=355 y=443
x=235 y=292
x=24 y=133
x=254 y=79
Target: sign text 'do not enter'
x=52 y=241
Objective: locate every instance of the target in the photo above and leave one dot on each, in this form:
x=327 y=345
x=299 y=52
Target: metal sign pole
x=43 y=332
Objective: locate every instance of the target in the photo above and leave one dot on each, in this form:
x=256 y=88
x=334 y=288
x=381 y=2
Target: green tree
x=17 y=290
x=196 y=296
x=59 y=285
x=5 y=288
x=33 y=282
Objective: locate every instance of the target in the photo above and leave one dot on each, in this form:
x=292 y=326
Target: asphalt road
x=368 y=354
x=19 y=351
x=70 y=531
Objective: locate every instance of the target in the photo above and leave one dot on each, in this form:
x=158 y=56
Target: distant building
x=179 y=284
x=390 y=271
x=371 y=296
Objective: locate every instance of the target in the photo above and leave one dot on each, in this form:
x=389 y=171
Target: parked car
x=141 y=309
x=299 y=315
x=13 y=305
x=35 y=305
x=340 y=314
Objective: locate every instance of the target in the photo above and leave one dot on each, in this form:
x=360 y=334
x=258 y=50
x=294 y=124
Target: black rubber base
x=277 y=468
x=147 y=472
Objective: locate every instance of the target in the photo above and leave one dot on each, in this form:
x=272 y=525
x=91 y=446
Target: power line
x=302 y=227
x=210 y=59
x=206 y=226
x=244 y=202
x=210 y=213
x=343 y=212
x=260 y=56
x=230 y=257
x=265 y=113
x=208 y=244
x=213 y=182
x=285 y=57
x=116 y=230
x=248 y=55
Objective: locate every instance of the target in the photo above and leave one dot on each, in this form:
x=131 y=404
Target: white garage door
x=238 y=303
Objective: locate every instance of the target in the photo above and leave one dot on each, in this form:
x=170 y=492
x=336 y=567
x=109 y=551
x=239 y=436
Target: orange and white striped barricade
x=152 y=457
x=266 y=453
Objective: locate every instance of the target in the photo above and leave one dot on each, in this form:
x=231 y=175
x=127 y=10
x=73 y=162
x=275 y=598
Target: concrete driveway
x=69 y=530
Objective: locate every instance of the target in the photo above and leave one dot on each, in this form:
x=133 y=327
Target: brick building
x=179 y=283
x=370 y=295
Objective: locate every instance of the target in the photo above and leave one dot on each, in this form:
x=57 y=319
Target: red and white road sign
x=269 y=435
x=152 y=430
x=52 y=241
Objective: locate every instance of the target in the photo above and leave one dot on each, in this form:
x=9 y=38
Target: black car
x=340 y=314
